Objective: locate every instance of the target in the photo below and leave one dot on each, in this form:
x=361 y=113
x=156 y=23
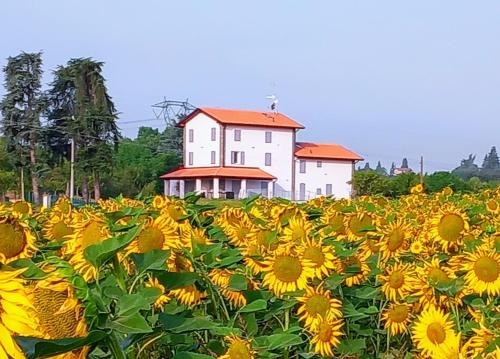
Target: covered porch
x=219 y=182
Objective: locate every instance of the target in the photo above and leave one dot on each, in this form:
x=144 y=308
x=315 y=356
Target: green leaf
x=152 y=260
x=351 y=346
x=176 y=324
x=100 y=253
x=367 y=293
x=32 y=271
x=255 y=306
x=131 y=303
x=370 y=310
x=175 y=280
x=251 y=324
x=238 y=282
x=37 y=348
x=191 y=355
x=282 y=340
x=131 y=324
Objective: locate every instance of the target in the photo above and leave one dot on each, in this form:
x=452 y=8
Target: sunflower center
x=298 y=234
x=358 y=225
x=21 y=207
x=91 y=234
x=487 y=269
x=336 y=223
x=317 y=305
x=325 y=332
x=287 y=268
x=396 y=279
x=492 y=205
x=150 y=238
x=396 y=239
x=315 y=255
x=436 y=333
x=450 y=227
x=398 y=313
x=61 y=230
x=438 y=275
x=64 y=207
x=238 y=350
x=47 y=303
x=12 y=240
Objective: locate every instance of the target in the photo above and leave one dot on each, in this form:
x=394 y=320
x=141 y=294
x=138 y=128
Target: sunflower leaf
x=152 y=260
x=38 y=348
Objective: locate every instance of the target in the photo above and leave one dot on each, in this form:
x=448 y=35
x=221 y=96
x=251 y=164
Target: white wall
x=336 y=173
x=253 y=143
x=202 y=145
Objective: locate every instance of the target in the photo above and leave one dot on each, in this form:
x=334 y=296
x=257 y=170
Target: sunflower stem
x=287 y=324
x=118 y=271
x=115 y=348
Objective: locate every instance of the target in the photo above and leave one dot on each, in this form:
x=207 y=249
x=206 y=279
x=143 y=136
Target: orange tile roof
x=226 y=172
x=325 y=151
x=244 y=117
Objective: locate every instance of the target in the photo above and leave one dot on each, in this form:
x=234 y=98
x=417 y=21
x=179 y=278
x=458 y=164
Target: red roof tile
x=246 y=118
x=226 y=172
x=325 y=151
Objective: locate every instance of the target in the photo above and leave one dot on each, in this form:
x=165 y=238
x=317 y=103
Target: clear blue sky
x=385 y=78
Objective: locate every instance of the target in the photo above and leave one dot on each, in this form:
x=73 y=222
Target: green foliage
x=370 y=183
x=439 y=180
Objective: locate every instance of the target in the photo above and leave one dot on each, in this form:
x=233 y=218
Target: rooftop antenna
x=274 y=103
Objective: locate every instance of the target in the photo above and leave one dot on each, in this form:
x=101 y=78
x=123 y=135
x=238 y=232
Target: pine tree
x=21 y=108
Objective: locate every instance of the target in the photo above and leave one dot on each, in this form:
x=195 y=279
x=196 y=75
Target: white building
x=240 y=153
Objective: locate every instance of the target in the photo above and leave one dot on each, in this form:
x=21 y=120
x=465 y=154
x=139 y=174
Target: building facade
x=234 y=154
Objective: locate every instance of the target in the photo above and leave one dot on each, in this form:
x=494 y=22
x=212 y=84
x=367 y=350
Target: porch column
x=270 y=189
x=166 y=187
x=216 y=187
x=198 y=186
x=243 y=188
x=181 y=188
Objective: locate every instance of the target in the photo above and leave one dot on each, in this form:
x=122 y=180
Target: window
x=191 y=135
x=237 y=135
x=190 y=158
x=302 y=165
x=269 y=136
x=237 y=157
x=319 y=164
x=318 y=191
x=268 y=159
x=302 y=191
x=329 y=189
x=213 y=134
x=212 y=157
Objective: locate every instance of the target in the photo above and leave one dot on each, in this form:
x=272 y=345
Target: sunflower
x=238 y=349
x=355 y=268
x=417 y=189
x=451 y=349
x=286 y=271
x=221 y=278
x=237 y=232
x=358 y=224
x=163 y=298
x=158 y=233
x=16 y=313
x=433 y=331
x=483 y=272
x=326 y=336
x=476 y=345
x=189 y=296
x=57 y=228
x=297 y=231
x=63 y=206
x=174 y=209
x=417 y=247
x=397 y=318
x=493 y=206
x=87 y=232
x=448 y=227
x=16 y=239
x=22 y=208
x=334 y=224
x=191 y=236
x=398 y=281
x=429 y=275
x=322 y=258
x=395 y=239
x=158 y=202
x=59 y=312
x=318 y=303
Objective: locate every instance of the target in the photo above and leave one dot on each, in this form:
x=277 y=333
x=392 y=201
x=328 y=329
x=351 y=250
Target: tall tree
x=21 y=108
x=404 y=164
x=380 y=170
x=82 y=110
x=393 y=168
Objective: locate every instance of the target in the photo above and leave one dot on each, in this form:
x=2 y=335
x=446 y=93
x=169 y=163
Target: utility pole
x=22 y=183
x=72 y=171
x=421 y=169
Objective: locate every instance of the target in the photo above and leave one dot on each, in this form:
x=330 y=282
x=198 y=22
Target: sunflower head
x=238 y=348
x=16 y=239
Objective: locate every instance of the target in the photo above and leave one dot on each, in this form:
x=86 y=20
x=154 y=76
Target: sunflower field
x=415 y=277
